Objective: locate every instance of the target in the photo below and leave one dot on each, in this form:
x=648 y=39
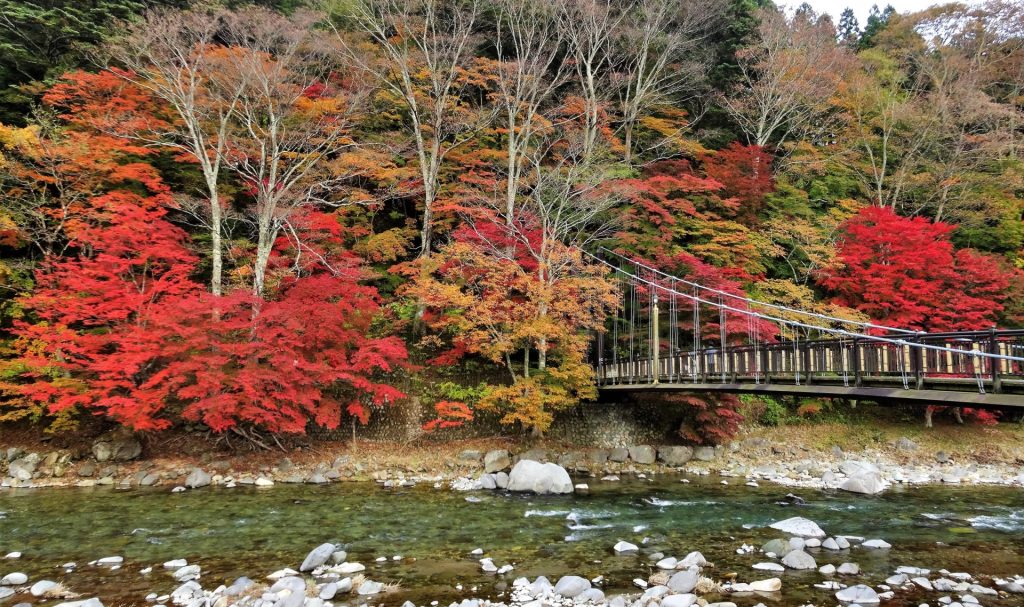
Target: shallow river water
x=249 y=531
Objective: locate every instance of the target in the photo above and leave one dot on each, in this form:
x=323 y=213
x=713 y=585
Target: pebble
x=13 y=579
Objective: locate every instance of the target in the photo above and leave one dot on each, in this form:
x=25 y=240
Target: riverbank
x=806 y=455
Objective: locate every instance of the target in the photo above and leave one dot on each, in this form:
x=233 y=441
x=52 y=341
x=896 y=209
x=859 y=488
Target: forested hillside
x=267 y=216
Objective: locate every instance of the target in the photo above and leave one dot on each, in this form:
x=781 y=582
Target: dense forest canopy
x=259 y=216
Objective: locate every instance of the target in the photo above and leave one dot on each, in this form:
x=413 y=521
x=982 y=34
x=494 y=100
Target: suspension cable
x=831 y=330
x=766 y=304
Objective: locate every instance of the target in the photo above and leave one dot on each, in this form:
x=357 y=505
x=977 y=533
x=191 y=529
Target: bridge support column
x=655 y=339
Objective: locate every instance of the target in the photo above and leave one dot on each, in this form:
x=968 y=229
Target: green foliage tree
x=849 y=28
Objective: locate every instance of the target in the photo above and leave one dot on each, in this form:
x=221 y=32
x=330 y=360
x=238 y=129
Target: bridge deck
x=933 y=395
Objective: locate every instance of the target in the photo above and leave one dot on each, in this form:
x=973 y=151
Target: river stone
x=570 y=586
x=5 y=592
x=654 y=592
x=197 y=478
x=470 y=455
x=768 y=567
x=369 y=587
x=541 y=586
x=830 y=544
x=800 y=526
x=679 y=600
x=855 y=467
x=291 y=583
x=827 y=569
x=877 y=544
x=487 y=481
x=239 y=586
x=868 y=483
x=704 y=454
x=905 y=444
x=848 y=569
x=642 y=454
x=86 y=603
x=675 y=455
x=776 y=547
x=14 y=579
x=119 y=446
x=529 y=475
x=798 y=559
x=694 y=559
x=591 y=595
x=318 y=556
x=497 y=460
x=349 y=568
x=923 y=582
x=42 y=587
x=684 y=581
x=859 y=594
x=668 y=563
x=770 y=585
x=625 y=548
x=186 y=573
x=328 y=591
x=501 y=480
x=618 y=454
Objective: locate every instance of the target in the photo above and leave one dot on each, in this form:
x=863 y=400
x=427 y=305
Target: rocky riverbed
x=327 y=576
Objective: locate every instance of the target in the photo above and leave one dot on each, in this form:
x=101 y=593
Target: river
x=249 y=531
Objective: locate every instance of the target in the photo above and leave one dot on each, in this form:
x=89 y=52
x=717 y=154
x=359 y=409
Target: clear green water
x=248 y=531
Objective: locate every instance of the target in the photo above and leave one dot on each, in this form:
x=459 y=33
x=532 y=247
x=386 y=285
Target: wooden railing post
x=655 y=340
x=916 y=354
x=993 y=348
x=858 y=376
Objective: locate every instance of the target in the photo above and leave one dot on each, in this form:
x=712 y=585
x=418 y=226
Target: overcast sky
x=860 y=7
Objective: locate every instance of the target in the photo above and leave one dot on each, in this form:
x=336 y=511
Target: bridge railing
x=924 y=361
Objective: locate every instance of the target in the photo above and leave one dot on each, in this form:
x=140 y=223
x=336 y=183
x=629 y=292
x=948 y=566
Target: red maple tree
x=905 y=272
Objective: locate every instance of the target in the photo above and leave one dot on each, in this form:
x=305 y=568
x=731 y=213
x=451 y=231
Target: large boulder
x=24 y=468
x=675 y=455
x=497 y=460
x=197 y=478
x=529 y=475
x=642 y=454
x=799 y=526
x=868 y=483
x=704 y=454
x=117 y=447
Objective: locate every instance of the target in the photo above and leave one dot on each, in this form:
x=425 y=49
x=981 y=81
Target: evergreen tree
x=877 y=21
x=849 y=28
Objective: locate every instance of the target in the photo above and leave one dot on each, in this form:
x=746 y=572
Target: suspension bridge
x=670 y=334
